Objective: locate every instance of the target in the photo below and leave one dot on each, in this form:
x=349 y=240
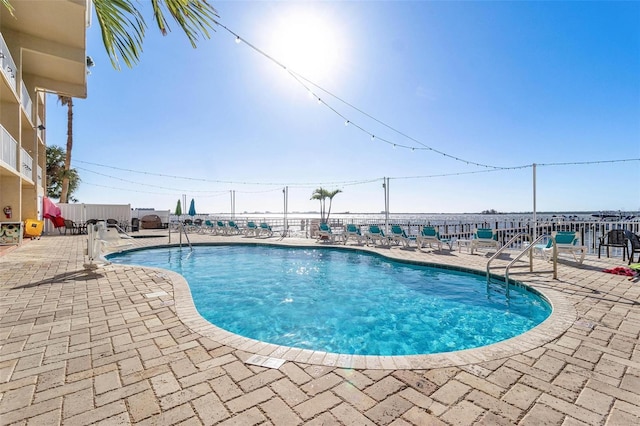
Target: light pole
x=285 y=193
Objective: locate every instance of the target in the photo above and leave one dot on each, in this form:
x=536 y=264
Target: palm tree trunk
x=64 y=195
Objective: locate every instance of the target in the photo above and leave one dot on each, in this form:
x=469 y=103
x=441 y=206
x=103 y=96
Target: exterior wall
x=42 y=50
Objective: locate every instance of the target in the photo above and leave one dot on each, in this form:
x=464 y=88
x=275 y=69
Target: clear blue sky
x=501 y=84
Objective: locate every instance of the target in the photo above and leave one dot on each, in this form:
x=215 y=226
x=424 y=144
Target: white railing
x=8 y=149
x=26 y=164
x=6 y=64
x=25 y=100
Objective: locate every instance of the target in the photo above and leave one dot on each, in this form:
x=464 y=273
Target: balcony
x=26 y=102
x=8 y=150
x=7 y=65
x=26 y=164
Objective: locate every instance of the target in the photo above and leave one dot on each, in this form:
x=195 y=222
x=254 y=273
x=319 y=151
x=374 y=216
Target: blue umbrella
x=192 y=208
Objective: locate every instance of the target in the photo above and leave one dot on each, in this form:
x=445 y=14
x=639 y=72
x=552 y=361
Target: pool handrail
x=527 y=249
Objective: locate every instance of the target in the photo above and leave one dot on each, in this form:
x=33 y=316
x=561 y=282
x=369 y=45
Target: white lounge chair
x=265 y=229
x=353 y=232
x=375 y=233
x=326 y=234
x=429 y=237
x=399 y=236
x=251 y=230
x=566 y=242
x=221 y=228
x=232 y=228
x=484 y=238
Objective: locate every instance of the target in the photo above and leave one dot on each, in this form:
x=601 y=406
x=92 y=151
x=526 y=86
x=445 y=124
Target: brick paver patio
x=107 y=347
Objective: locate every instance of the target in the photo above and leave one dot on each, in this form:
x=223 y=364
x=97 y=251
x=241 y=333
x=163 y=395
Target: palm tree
x=66 y=100
x=55 y=173
x=330 y=195
x=123 y=26
x=322 y=194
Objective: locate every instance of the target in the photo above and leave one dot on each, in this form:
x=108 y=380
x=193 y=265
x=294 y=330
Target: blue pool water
x=344 y=301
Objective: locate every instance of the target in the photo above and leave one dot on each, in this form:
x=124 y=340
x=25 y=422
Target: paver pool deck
x=124 y=345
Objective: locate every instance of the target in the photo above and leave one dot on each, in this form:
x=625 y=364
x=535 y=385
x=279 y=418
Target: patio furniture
x=614 y=238
x=429 y=236
x=634 y=240
x=353 y=231
x=71 y=226
x=484 y=238
x=566 y=242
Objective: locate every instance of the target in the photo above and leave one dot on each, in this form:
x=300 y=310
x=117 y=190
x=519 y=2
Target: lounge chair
x=326 y=234
x=352 y=231
x=232 y=227
x=429 y=236
x=265 y=229
x=221 y=228
x=484 y=238
x=375 y=233
x=207 y=227
x=251 y=230
x=399 y=236
x=566 y=242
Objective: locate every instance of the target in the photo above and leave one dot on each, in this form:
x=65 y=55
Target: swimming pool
x=345 y=301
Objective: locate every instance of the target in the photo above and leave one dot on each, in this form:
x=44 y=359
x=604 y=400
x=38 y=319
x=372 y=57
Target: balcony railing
x=8 y=149
x=26 y=164
x=25 y=100
x=7 y=65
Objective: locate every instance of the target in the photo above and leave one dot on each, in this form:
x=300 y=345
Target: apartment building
x=42 y=51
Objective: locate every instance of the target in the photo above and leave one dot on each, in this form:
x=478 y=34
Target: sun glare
x=306 y=43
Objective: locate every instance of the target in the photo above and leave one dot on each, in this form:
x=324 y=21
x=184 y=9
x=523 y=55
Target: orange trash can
x=33 y=228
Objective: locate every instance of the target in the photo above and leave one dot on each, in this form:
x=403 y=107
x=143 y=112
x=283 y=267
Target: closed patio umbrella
x=192 y=208
x=178 y=209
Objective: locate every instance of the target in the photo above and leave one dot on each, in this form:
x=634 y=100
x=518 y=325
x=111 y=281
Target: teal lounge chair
x=429 y=236
x=374 y=234
x=265 y=229
x=325 y=233
x=251 y=230
x=484 y=238
x=208 y=227
x=221 y=228
x=353 y=232
x=232 y=228
x=566 y=242
x=399 y=236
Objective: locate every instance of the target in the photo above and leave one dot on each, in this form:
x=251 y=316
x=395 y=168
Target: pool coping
x=563 y=315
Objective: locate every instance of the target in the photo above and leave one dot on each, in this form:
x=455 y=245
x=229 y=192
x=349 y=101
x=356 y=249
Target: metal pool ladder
x=181 y=230
x=528 y=249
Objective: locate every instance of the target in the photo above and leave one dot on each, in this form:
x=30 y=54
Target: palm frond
x=122 y=28
x=8 y=6
x=195 y=17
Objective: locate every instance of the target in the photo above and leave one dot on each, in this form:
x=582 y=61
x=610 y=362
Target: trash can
x=33 y=228
x=135 y=224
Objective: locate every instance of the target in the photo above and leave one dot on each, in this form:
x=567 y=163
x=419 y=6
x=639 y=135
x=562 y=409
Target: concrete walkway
x=122 y=345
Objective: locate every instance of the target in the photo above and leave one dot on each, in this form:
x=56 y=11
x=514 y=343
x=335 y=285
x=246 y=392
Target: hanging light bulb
x=238 y=40
x=394 y=146
x=373 y=137
x=319 y=101
x=346 y=123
